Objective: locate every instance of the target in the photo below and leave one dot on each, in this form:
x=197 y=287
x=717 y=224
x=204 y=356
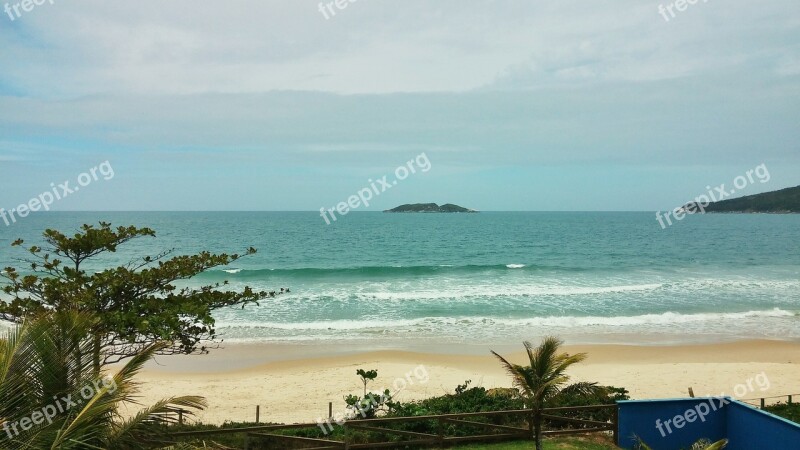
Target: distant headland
x=430 y=208
x=784 y=201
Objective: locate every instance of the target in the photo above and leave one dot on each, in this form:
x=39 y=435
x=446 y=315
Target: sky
x=281 y=105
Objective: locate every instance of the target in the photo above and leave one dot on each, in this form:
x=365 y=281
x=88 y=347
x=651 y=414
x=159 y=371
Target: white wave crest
x=436 y=323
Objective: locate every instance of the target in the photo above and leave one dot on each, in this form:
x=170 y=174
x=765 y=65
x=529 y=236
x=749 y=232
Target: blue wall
x=746 y=427
x=751 y=428
x=638 y=418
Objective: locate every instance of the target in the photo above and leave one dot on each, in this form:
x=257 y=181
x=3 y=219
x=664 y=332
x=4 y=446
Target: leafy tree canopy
x=137 y=304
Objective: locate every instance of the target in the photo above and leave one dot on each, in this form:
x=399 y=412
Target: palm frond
x=102 y=407
x=542 y=358
x=139 y=427
x=640 y=444
x=50 y=358
x=545 y=376
x=520 y=377
x=583 y=388
x=719 y=445
x=9 y=345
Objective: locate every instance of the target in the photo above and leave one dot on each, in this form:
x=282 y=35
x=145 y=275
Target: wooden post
x=762 y=403
x=615 y=422
x=180 y=417
x=258 y=413
x=346 y=440
x=330 y=410
x=691 y=392
x=440 y=431
x=790 y=399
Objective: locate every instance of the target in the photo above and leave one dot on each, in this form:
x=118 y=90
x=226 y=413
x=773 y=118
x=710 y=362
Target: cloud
x=189 y=47
x=192 y=91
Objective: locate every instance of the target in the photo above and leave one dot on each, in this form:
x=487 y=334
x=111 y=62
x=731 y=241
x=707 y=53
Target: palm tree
x=51 y=398
x=545 y=379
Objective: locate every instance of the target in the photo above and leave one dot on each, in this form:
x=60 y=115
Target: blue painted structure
x=675 y=424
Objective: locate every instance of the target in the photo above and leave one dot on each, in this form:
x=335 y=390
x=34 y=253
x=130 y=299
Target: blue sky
x=519 y=105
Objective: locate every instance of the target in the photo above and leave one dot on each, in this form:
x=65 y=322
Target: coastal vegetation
x=789 y=411
x=781 y=201
x=540 y=384
x=544 y=380
x=137 y=304
x=72 y=320
x=51 y=397
x=371 y=403
x=463 y=399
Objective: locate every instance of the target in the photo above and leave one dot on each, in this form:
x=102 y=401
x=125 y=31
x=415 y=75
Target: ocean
x=411 y=281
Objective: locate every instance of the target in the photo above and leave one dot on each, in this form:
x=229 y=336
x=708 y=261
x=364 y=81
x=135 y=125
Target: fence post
x=440 y=431
x=762 y=403
x=615 y=422
x=330 y=410
x=180 y=417
x=346 y=436
x=790 y=399
x=258 y=412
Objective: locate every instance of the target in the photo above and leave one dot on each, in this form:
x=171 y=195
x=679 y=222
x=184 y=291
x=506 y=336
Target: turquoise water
x=407 y=280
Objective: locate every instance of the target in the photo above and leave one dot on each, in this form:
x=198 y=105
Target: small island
x=784 y=201
x=430 y=208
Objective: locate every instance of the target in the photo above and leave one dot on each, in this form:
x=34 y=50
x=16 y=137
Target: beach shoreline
x=294 y=383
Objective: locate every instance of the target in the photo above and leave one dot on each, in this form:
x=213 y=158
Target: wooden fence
x=382 y=427
x=762 y=400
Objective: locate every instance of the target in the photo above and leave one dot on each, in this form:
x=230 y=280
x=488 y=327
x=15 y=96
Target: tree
x=368 y=405
x=366 y=377
x=545 y=379
x=136 y=304
x=51 y=397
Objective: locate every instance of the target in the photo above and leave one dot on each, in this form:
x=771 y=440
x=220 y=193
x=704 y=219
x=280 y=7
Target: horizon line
x=317 y=211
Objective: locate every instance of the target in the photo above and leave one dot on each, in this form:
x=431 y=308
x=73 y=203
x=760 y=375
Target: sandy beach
x=295 y=383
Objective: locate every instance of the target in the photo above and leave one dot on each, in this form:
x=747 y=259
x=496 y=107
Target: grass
x=581 y=443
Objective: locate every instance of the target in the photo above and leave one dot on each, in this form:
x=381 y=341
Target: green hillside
x=782 y=201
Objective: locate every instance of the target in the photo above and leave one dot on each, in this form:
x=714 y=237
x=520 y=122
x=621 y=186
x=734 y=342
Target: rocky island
x=430 y=208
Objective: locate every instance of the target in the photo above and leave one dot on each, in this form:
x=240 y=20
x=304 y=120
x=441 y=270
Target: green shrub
x=464 y=400
x=785 y=410
x=609 y=396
